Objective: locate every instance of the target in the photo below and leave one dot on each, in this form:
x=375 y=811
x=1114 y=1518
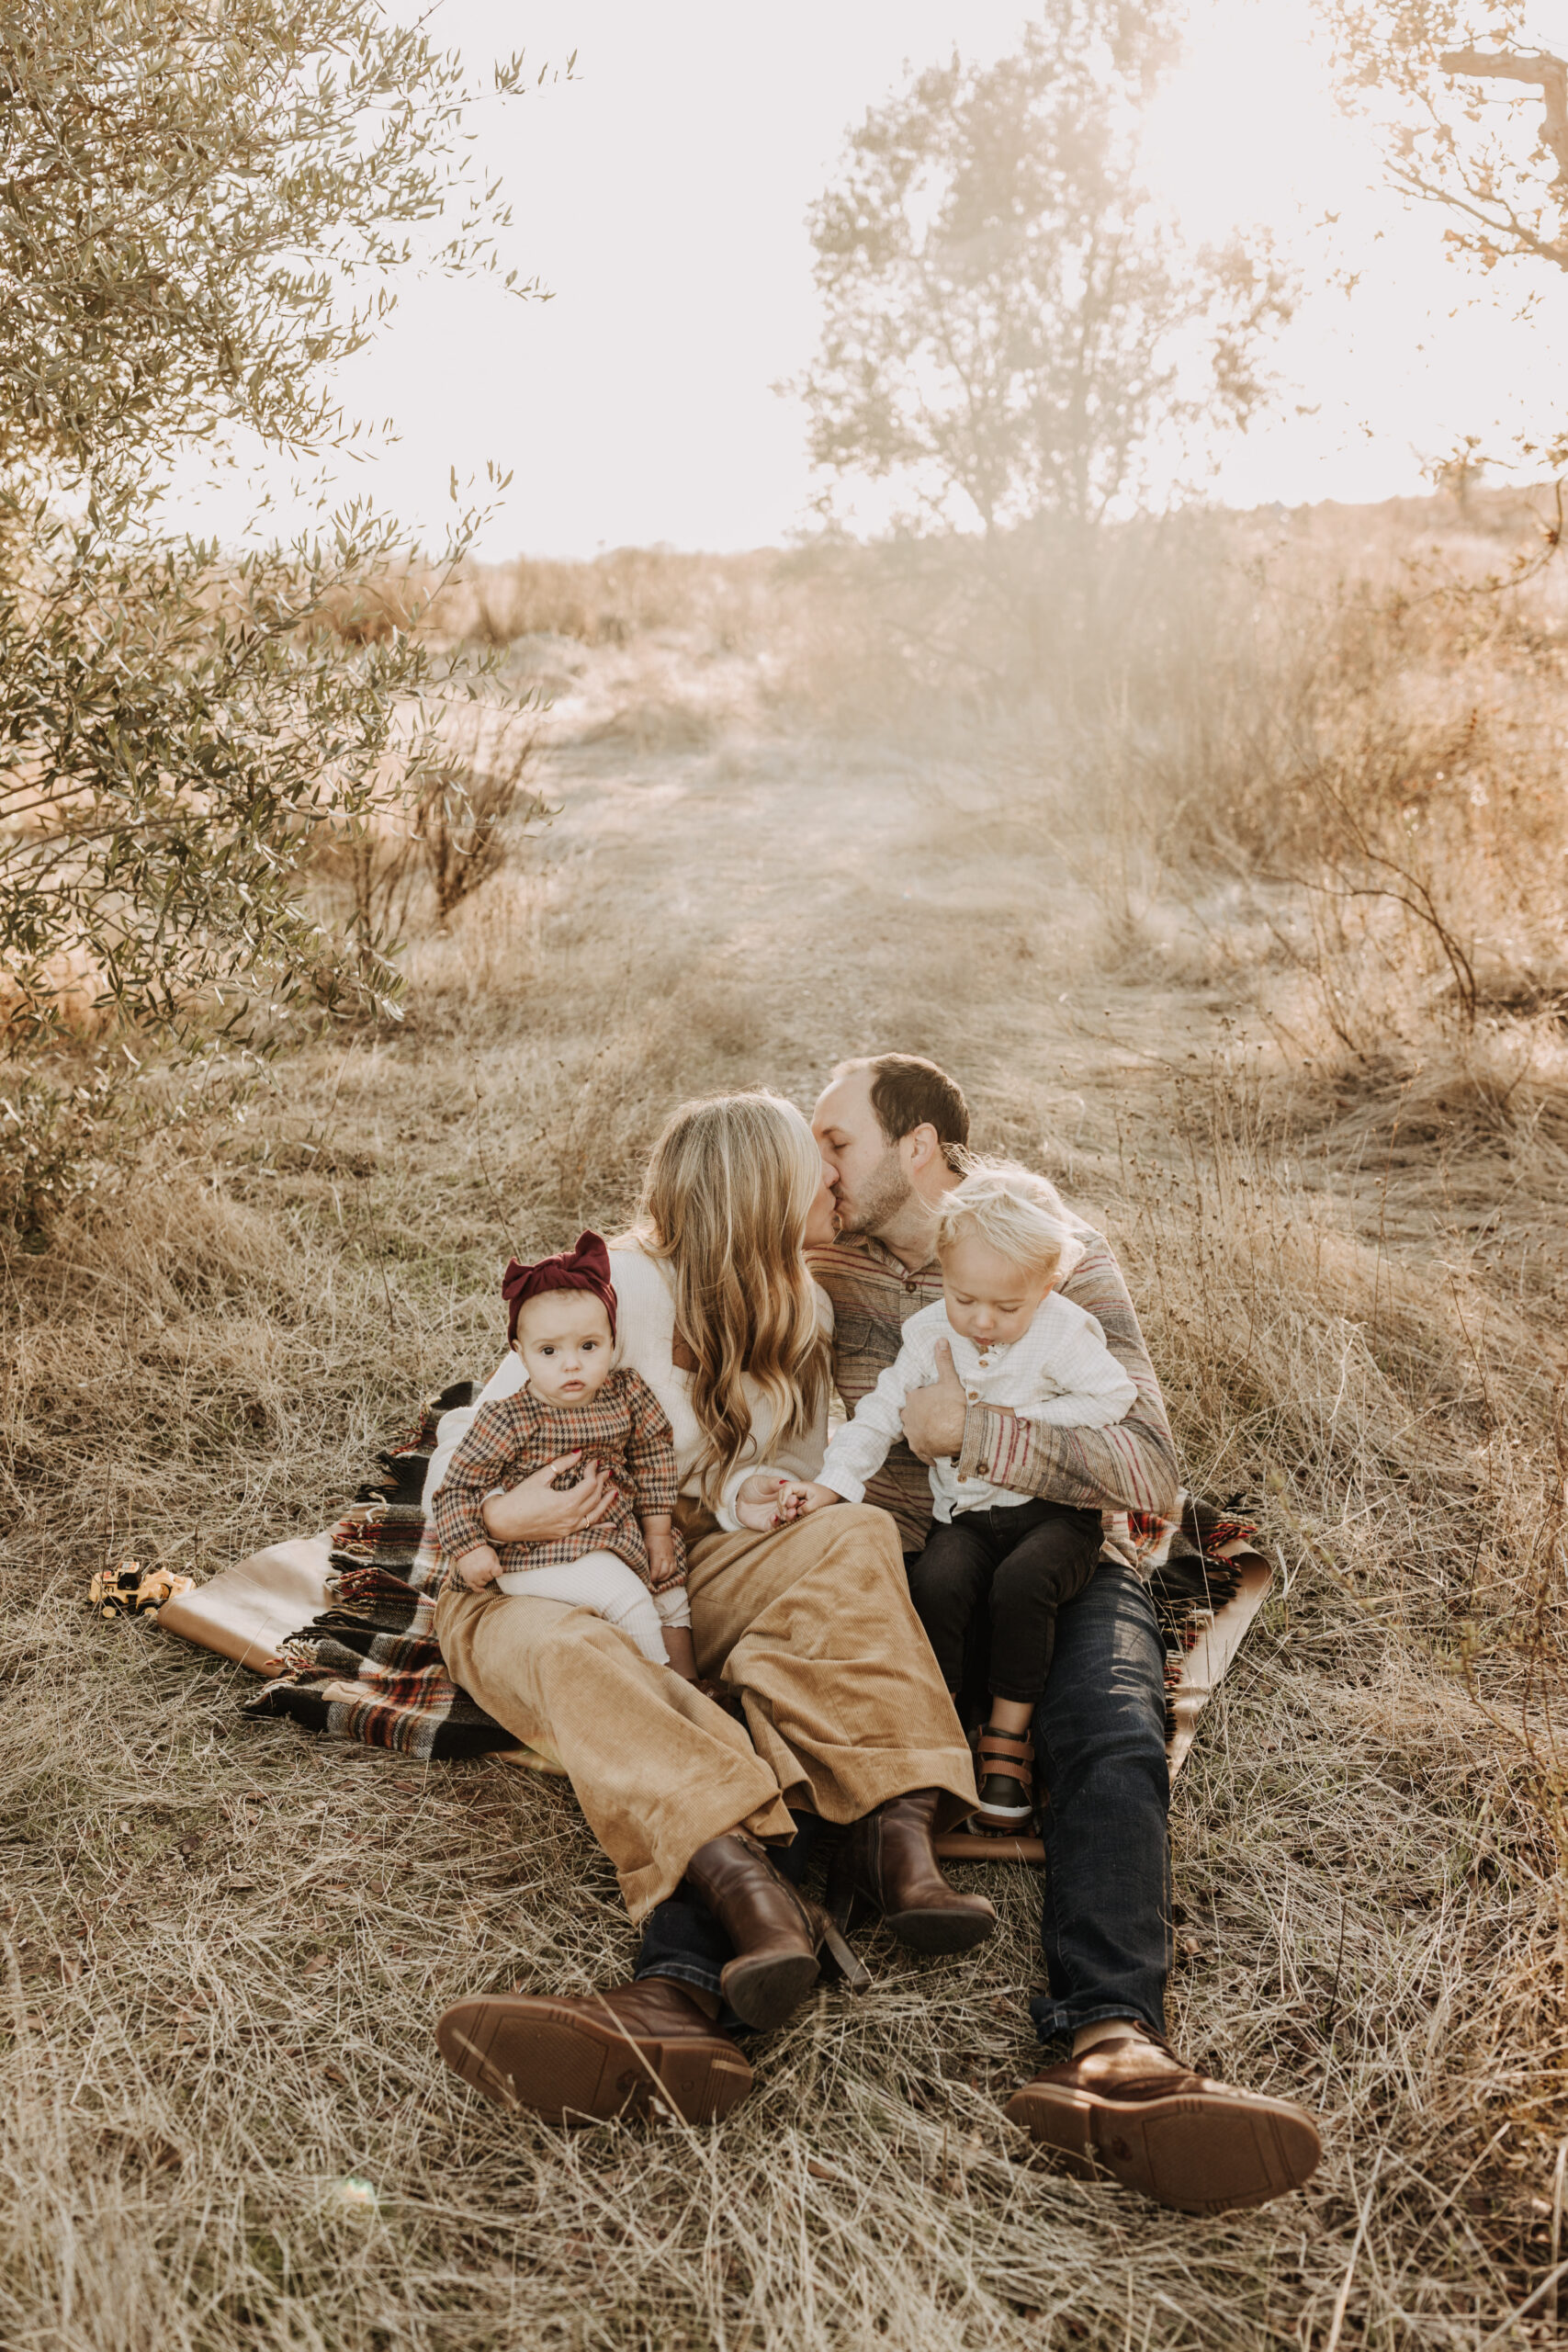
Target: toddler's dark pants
x=1027 y=1558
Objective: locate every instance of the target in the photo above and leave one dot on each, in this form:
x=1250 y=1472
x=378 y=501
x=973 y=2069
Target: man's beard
x=878 y=1201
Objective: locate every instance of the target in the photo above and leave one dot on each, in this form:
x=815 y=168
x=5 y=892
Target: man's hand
x=535 y=1512
x=934 y=1416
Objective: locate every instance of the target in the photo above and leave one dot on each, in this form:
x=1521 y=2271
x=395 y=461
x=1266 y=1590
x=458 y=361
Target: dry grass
x=227 y=1944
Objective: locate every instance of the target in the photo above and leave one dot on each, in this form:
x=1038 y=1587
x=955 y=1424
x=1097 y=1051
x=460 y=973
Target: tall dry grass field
x=1181 y=862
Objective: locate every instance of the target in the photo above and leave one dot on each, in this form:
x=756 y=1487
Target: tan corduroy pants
x=812 y=1625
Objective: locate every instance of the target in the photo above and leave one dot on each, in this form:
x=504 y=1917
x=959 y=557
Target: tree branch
x=1548 y=73
x=1524 y=237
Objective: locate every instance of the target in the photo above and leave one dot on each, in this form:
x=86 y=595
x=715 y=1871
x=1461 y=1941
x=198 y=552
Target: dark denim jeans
x=1099 y=1738
x=1099 y=1742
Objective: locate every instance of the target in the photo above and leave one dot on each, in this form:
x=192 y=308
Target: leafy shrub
x=180 y=729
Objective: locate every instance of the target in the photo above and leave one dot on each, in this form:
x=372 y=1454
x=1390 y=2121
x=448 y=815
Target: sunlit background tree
x=1013 y=329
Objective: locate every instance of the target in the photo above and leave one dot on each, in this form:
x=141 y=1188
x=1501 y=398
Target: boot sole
x=568 y=2067
x=1198 y=2152
x=939 y=1930
x=766 y=1991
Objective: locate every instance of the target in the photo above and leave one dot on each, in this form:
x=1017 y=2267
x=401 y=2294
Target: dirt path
x=873 y=896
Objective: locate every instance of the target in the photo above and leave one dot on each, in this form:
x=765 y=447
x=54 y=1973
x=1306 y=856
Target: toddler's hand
x=478 y=1567
x=808 y=1497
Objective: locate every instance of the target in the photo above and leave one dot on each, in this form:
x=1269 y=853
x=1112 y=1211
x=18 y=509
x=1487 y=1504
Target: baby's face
x=991 y=1299
x=564 y=1340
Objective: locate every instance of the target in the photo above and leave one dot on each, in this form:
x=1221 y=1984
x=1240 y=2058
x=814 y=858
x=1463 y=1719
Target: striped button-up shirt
x=1131 y=1466
x=622 y=1426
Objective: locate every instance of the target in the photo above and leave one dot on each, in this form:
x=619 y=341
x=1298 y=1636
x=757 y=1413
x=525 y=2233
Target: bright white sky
x=662 y=193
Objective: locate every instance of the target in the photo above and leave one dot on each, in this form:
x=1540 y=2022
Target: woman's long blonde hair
x=729 y=1189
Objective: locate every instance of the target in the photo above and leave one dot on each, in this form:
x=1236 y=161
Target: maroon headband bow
x=585 y=1268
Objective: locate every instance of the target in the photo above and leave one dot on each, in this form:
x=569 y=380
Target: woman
x=811 y=1623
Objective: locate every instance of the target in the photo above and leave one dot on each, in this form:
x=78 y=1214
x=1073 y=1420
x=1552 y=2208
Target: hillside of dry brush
x=1227 y=866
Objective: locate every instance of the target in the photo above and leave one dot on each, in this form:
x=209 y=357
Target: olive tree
x=202 y=203
x=1012 y=330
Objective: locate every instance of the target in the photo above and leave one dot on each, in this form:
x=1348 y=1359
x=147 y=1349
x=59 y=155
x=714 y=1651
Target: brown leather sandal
x=1004 y=1770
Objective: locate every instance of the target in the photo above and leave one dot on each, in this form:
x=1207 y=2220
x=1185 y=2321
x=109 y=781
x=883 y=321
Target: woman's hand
x=535 y=1511
x=767 y=1501
x=760 y=1504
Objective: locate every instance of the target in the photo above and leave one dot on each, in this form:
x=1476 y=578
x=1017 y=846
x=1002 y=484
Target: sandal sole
x=557 y=2063
x=1198 y=2152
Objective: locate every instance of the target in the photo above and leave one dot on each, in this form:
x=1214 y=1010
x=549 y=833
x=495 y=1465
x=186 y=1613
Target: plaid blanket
x=371 y=1669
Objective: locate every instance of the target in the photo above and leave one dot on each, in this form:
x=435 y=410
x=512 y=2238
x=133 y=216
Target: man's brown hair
x=908 y=1091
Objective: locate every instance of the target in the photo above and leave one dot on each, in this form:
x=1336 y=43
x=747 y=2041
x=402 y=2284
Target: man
x=892 y=1129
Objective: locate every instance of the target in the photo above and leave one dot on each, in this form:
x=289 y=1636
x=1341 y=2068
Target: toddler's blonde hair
x=1014 y=1212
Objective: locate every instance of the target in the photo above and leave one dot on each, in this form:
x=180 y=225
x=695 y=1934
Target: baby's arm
x=650 y=1460
x=1094 y=1392
x=768 y=1500
x=663 y=1560
x=800 y=1496
x=762 y=1503
x=654 y=1480
x=480 y=1465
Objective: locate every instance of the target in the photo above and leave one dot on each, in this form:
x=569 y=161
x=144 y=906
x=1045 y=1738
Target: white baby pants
x=603 y=1583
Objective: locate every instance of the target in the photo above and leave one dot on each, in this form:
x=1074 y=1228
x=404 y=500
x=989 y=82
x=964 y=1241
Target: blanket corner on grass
x=371 y=1669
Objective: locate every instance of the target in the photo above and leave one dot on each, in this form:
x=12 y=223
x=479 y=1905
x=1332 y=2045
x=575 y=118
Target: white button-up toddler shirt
x=1060 y=1371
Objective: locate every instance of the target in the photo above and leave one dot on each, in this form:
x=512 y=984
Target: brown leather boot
x=621 y=2053
x=1131 y=2106
x=774 y=1929
x=889 y=1863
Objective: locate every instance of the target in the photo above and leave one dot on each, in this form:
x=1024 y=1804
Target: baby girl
x=1015 y=1342
x=628 y=1566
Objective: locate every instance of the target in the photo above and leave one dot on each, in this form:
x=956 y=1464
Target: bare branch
x=1549 y=75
